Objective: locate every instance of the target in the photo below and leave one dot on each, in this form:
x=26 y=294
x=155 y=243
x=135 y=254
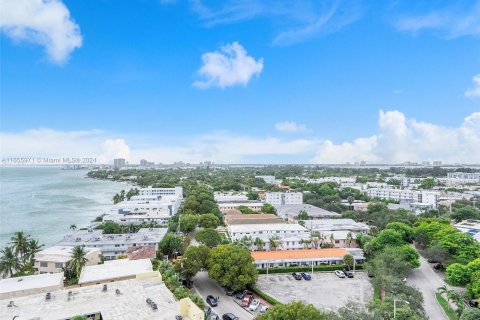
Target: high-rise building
x=118 y=163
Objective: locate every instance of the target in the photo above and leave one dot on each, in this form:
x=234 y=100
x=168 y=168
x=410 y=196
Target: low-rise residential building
x=428 y=196
x=303 y=257
x=27 y=285
x=141 y=252
x=53 y=259
x=459 y=178
x=283 y=198
x=116 y=270
x=121 y=300
x=264 y=218
x=471 y=227
x=290 y=212
x=230 y=196
x=234 y=205
x=267 y=179
x=114 y=245
x=239 y=231
x=177 y=192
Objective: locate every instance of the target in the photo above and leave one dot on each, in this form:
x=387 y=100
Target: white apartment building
x=430 y=197
x=457 y=178
x=283 y=198
x=177 y=191
x=234 y=205
x=230 y=196
x=53 y=259
x=114 y=245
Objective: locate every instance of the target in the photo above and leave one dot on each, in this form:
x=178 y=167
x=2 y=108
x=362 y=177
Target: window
x=43 y=264
x=58 y=265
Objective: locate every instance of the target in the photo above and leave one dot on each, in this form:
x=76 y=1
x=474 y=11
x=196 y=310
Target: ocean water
x=45 y=201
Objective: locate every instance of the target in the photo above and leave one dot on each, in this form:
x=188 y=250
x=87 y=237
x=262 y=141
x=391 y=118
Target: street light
x=395 y=306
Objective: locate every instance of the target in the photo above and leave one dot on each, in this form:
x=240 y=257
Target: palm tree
x=73 y=227
x=259 y=243
x=79 y=259
x=332 y=239
x=9 y=262
x=349 y=239
x=275 y=242
x=33 y=248
x=247 y=242
x=20 y=241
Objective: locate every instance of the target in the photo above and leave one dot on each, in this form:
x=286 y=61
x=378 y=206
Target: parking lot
x=325 y=290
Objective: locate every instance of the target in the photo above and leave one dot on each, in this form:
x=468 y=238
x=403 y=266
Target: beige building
x=23 y=286
x=53 y=259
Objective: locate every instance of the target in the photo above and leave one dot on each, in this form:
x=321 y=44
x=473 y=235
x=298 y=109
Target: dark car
x=297 y=276
x=229 y=292
x=212 y=301
x=229 y=316
x=438 y=266
x=306 y=276
x=207 y=310
x=348 y=273
x=370 y=274
x=241 y=294
x=432 y=260
x=473 y=303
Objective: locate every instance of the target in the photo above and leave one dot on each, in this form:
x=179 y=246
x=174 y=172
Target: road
x=427 y=281
x=204 y=286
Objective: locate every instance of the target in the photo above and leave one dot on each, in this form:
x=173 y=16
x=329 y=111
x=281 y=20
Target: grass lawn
x=450 y=313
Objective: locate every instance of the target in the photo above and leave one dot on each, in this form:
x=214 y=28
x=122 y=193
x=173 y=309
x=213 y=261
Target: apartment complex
x=53 y=259
x=114 y=245
x=118 y=163
x=283 y=198
x=430 y=197
x=457 y=178
x=234 y=205
x=177 y=191
x=290 y=212
x=27 y=285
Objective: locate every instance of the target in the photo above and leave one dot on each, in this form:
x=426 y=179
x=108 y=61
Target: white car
x=263 y=309
x=254 y=305
x=340 y=273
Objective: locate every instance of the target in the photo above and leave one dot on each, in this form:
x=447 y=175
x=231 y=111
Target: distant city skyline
x=241 y=82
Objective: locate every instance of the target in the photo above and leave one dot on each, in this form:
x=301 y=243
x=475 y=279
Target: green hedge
x=307 y=269
x=264 y=296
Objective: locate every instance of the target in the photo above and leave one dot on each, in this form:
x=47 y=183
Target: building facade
x=53 y=259
x=283 y=198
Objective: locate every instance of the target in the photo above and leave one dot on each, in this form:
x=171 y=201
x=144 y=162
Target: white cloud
x=44 y=22
x=398 y=139
x=453 y=22
x=401 y=139
x=290 y=126
x=228 y=67
x=475 y=91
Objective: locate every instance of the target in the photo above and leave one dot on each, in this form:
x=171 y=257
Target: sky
x=241 y=81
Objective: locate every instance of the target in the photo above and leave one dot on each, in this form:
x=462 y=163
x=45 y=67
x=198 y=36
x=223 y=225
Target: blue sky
x=242 y=81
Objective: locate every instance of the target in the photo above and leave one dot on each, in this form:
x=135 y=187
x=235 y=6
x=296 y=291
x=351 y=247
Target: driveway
x=205 y=286
x=427 y=281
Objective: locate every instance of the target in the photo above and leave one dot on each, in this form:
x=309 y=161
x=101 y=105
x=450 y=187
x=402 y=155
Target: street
x=427 y=281
x=204 y=286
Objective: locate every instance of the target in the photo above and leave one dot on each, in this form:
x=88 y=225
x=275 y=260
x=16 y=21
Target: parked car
x=213 y=316
x=212 y=301
x=207 y=311
x=247 y=299
x=370 y=274
x=348 y=273
x=297 y=276
x=254 y=305
x=438 y=266
x=432 y=260
x=241 y=294
x=229 y=316
x=229 y=292
x=306 y=276
x=339 y=273
x=263 y=308
x=473 y=303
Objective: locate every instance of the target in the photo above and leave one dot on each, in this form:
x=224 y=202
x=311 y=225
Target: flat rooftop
x=312 y=211
x=299 y=254
x=30 y=282
x=286 y=227
x=60 y=253
x=114 y=269
x=96 y=237
x=130 y=304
